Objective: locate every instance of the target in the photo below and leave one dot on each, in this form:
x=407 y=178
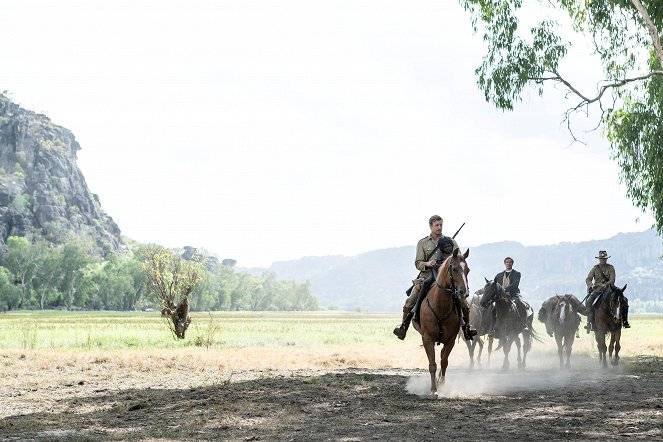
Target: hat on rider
x=602 y=254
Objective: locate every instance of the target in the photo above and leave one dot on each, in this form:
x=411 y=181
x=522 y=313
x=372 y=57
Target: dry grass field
x=337 y=377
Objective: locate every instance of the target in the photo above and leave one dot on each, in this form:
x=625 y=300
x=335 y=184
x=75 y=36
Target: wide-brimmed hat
x=602 y=254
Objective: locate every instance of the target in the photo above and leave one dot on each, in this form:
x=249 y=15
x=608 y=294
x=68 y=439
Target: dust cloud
x=542 y=373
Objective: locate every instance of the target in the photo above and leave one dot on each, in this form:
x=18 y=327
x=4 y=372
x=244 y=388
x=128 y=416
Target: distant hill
x=375 y=281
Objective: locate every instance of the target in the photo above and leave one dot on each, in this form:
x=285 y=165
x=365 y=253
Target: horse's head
x=615 y=296
x=453 y=273
x=565 y=308
x=492 y=292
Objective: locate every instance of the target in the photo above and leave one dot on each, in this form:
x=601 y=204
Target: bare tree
x=171 y=279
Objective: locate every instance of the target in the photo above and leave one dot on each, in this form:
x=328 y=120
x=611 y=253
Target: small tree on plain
x=171 y=279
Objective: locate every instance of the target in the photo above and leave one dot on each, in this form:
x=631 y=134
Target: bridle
x=453 y=288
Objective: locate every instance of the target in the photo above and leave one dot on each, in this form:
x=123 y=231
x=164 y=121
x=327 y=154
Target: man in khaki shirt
x=428 y=256
x=600 y=276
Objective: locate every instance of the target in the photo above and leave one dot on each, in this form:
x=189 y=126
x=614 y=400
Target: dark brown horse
x=480 y=320
x=607 y=308
x=508 y=326
x=439 y=317
x=560 y=314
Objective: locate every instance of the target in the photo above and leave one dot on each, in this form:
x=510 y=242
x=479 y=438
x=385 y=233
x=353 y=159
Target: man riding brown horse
x=601 y=276
x=432 y=250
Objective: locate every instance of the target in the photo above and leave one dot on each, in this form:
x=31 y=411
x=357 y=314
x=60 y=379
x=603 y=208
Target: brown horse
x=560 y=314
x=480 y=320
x=439 y=317
x=508 y=326
x=608 y=319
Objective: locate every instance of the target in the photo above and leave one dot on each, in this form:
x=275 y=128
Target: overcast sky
x=270 y=130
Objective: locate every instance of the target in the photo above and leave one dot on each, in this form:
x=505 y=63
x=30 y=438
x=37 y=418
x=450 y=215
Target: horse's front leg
x=470 y=350
x=614 y=341
x=506 y=348
x=600 y=344
x=560 y=348
x=444 y=360
x=568 y=346
x=521 y=364
x=429 y=346
x=480 y=342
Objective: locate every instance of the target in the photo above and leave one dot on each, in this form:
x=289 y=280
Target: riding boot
x=401 y=330
x=625 y=316
x=592 y=321
x=491 y=333
x=522 y=314
x=468 y=332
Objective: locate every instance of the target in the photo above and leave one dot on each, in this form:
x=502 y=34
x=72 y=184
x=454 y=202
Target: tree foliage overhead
x=626 y=37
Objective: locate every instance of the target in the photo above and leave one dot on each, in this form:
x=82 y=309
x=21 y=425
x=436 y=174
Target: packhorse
x=560 y=313
x=480 y=320
x=508 y=325
x=440 y=313
x=607 y=308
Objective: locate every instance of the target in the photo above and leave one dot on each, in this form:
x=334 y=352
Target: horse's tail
x=534 y=334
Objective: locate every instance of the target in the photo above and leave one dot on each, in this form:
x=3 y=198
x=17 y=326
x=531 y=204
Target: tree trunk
x=180 y=318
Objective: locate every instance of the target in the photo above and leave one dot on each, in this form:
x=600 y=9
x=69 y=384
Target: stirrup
x=627 y=325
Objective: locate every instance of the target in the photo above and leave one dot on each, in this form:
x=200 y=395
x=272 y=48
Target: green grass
x=140 y=330
x=103 y=330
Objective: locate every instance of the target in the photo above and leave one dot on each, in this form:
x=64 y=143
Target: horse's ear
x=625 y=285
x=487 y=282
x=455 y=254
x=466 y=254
x=558 y=297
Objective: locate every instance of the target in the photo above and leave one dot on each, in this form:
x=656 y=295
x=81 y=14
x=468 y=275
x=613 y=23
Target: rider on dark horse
x=432 y=250
x=600 y=277
x=509 y=279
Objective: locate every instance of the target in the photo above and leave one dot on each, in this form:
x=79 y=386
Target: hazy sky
x=270 y=130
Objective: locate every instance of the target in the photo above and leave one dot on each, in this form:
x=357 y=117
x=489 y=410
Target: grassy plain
x=234 y=341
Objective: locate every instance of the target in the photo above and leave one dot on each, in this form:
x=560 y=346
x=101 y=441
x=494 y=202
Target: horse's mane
x=443 y=271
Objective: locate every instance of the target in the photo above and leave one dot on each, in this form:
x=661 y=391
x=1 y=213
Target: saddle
x=424 y=285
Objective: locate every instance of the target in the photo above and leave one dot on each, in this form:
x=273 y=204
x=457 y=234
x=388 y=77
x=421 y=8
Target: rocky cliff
x=43 y=193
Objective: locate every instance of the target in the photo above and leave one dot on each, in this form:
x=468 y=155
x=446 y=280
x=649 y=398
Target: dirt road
x=101 y=400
